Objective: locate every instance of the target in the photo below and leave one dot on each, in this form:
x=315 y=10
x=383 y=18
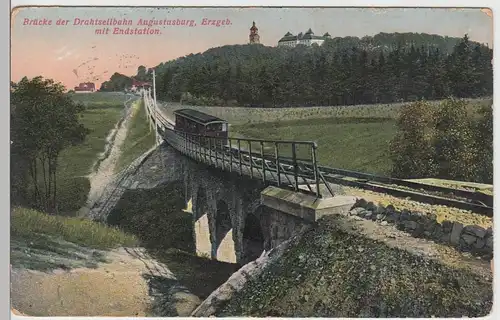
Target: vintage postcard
x=251 y=161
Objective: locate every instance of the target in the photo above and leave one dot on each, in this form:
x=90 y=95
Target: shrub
x=411 y=150
x=454 y=141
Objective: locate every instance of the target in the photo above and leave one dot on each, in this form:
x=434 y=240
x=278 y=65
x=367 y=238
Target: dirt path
x=104 y=169
x=127 y=285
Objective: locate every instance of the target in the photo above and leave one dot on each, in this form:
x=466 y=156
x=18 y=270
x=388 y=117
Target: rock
x=475 y=230
x=489 y=232
x=356 y=211
x=432 y=216
x=468 y=239
x=361 y=203
x=405 y=215
x=415 y=216
x=384 y=223
x=489 y=242
x=479 y=244
x=410 y=225
x=419 y=231
x=445 y=237
x=379 y=216
x=447 y=226
x=390 y=209
x=371 y=206
x=368 y=215
x=430 y=225
x=400 y=225
x=381 y=210
x=390 y=217
x=455 y=233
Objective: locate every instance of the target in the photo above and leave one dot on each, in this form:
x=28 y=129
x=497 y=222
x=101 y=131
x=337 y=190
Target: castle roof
x=308 y=35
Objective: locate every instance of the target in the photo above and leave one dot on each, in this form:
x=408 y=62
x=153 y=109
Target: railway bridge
x=245 y=195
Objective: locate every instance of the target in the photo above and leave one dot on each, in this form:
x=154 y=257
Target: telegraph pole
x=154 y=106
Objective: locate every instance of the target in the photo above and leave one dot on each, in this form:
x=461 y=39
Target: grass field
x=102 y=113
x=96 y=99
x=139 y=137
x=348 y=137
x=236 y=115
x=350 y=143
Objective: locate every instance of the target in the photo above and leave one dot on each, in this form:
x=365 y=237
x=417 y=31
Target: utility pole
x=155 y=107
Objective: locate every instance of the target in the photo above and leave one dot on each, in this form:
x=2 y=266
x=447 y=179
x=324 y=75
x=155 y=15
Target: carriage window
x=224 y=127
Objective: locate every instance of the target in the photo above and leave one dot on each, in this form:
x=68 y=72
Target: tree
x=483 y=145
x=44 y=121
x=411 y=150
x=454 y=141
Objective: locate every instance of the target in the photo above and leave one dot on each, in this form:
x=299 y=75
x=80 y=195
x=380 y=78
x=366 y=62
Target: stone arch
x=224 y=248
x=255 y=240
x=201 y=222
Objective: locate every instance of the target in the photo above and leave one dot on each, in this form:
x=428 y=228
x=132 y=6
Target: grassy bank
x=139 y=137
x=157 y=218
x=75 y=163
x=44 y=242
x=27 y=223
x=359 y=144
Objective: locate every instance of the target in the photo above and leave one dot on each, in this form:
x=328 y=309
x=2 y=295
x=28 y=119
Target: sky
x=72 y=54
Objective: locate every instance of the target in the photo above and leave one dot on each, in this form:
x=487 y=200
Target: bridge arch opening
x=201 y=223
x=223 y=249
x=201 y=206
x=253 y=238
x=223 y=222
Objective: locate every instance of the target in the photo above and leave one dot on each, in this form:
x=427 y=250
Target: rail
x=284 y=163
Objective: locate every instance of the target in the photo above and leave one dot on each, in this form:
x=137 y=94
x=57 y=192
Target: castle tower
x=254 y=34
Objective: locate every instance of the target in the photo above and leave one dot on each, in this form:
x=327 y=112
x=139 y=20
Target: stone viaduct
x=236 y=217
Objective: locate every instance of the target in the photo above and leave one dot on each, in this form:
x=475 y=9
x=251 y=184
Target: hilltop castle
x=254 y=34
x=308 y=39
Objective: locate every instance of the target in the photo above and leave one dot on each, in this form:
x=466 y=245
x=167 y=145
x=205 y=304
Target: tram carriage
x=199 y=123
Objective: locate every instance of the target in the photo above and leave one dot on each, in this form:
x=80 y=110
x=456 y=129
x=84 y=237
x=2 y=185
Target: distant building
x=254 y=34
x=136 y=85
x=85 y=87
x=307 y=39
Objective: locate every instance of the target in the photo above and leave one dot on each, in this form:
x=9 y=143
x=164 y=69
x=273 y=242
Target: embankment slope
x=350 y=268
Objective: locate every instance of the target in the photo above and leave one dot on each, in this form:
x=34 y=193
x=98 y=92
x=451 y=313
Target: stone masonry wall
x=470 y=238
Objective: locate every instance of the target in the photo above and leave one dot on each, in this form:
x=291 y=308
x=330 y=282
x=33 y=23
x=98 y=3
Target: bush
x=484 y=145
x=411 y=150
x=454 y=142
x=443 y=142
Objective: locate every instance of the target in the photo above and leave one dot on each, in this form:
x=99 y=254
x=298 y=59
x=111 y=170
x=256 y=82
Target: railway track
x=474 y=201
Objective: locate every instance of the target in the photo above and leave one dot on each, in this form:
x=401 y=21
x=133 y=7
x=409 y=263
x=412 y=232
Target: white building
x=307 y=39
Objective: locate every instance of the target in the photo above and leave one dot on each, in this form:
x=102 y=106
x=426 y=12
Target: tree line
x=44 y=121
x=255 y=75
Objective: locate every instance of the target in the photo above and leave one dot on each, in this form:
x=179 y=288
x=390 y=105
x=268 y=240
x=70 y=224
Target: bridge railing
x=285 y=163
x=290 y=164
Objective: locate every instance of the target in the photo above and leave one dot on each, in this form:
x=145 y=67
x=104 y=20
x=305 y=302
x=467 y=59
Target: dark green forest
x=343 y=71
x=384 y=68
